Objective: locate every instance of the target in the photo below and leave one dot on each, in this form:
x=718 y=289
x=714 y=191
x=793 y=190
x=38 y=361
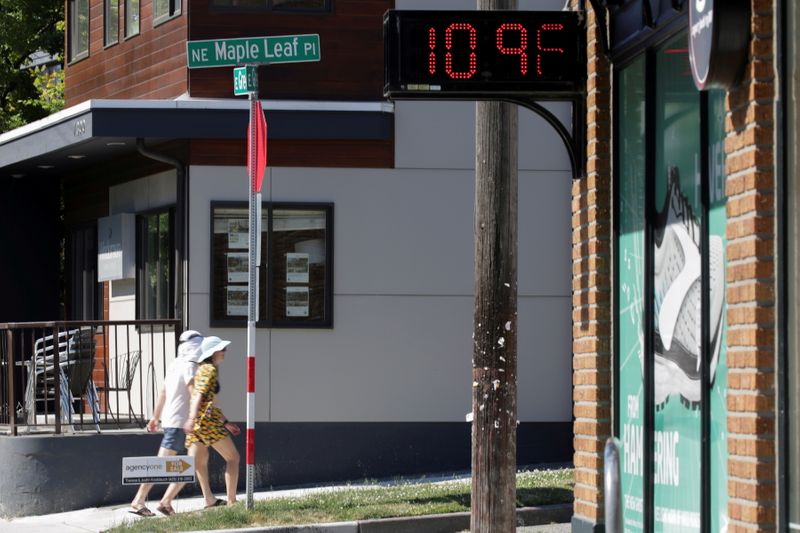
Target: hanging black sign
x=450 y=54
x=718 y=41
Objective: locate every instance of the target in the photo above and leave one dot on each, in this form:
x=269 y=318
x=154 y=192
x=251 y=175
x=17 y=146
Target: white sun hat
x=210 y=346
x=190 y=349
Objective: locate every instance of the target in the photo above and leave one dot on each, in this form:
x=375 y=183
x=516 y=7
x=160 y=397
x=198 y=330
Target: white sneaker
x=677 y=298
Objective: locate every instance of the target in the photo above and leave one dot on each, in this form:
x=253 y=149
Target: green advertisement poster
x=676 y=360
x=717 y=220
x=677 y=227
x=630 y=292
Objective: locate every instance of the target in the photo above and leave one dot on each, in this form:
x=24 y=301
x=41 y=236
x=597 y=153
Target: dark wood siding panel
x=149 y=65
x=351 y=40
x=294 y=153
x=339 y=153
x=86 y=190
x=84 y=201
x=222 y=152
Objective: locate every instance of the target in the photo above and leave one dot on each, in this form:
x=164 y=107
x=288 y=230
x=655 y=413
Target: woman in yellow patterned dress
x=207 y=425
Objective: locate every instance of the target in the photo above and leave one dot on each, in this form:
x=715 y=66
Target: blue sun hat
x=210 y=346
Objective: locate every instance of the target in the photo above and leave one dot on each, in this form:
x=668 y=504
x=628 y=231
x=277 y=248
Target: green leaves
x=28 y=27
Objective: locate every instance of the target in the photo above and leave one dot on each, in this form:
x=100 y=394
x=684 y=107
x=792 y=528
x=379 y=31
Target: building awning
x=98 y=130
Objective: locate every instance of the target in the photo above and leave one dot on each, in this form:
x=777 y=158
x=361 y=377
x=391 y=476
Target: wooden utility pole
x=494 y=360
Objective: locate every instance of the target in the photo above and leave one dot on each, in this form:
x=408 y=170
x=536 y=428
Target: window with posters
x=295 y=278
x=670 y=341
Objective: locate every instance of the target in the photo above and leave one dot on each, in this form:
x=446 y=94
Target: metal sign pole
x=254 y=262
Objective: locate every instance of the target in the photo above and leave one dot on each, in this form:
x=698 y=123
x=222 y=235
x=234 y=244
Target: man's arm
x=152 y=424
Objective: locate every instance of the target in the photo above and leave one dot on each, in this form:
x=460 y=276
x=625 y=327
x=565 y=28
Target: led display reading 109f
x=462 y=52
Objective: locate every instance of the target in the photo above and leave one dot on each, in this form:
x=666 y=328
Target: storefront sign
x=718 y=41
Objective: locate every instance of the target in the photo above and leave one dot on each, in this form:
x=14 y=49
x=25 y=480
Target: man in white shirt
x=172 y=410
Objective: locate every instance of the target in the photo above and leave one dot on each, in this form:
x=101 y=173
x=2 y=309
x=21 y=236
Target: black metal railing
x=88 y=375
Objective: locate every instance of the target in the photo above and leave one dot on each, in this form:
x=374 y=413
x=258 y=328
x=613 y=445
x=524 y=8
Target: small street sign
x=245 y=80
x=167 y=469
x=253 y=50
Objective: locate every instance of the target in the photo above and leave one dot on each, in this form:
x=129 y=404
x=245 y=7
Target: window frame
x=267 y=283
x=173 y=5
x=72 y=10
x=141 y=251
x=106 y=41
x=138 y=31
x=788 y=370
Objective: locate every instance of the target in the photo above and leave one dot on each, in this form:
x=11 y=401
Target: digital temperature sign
x=483 y=53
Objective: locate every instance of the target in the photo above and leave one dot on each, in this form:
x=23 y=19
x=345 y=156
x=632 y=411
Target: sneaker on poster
x=677 y=267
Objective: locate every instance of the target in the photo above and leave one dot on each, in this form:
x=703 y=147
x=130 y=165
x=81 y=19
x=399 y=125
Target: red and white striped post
x=256 y=165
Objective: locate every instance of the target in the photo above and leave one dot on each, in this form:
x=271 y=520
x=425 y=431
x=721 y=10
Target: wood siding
x=151 y=64
x=351 y=42
x=86 y=191
x=299 y=153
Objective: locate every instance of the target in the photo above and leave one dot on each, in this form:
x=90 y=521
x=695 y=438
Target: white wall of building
x=400 y=348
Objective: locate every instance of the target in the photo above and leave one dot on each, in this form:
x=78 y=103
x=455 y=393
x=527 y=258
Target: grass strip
x=360 y=502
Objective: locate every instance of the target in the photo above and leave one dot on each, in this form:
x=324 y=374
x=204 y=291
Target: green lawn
x=361 y=502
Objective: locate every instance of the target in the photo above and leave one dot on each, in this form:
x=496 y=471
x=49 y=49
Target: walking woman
x=207 y=425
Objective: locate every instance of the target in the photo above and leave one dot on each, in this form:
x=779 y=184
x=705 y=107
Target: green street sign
x=253 y=50
x=245 y=80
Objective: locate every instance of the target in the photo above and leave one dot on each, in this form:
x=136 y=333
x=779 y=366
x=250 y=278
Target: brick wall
x=591 y=290
x=751 y=282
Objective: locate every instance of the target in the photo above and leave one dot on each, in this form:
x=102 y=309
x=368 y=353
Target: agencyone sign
x=168 y=469
x=253 y=50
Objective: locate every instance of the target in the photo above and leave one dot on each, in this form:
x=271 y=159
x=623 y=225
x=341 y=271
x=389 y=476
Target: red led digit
x=432 y=54
x=520 y=50
x=540 y=48
x=448 y=44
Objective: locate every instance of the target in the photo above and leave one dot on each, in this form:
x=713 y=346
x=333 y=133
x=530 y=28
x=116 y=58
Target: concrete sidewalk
x=552 y=519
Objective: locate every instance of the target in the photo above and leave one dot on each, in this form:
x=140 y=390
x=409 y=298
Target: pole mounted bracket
x=574 y=141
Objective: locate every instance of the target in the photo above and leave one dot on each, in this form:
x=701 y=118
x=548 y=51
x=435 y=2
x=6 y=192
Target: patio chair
x=75 y=351
x=119 y=373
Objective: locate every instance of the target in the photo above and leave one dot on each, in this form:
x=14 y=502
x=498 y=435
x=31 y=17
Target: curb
x=441 y=523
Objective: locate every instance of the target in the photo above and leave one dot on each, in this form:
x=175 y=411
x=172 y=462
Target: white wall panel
x=397 y=232
x=544 y=359
x=545 y=235
x=389 y=358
